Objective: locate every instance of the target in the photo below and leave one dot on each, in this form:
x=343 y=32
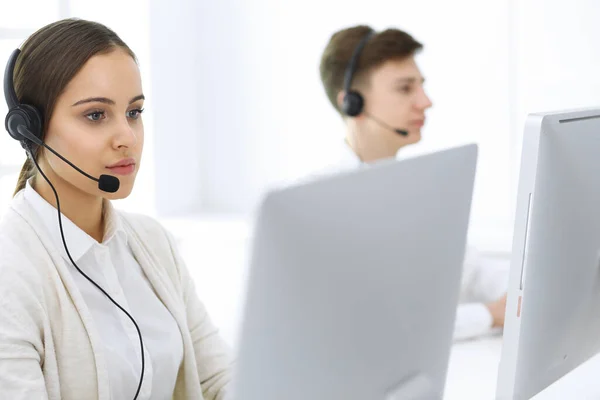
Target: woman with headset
x=94 y=303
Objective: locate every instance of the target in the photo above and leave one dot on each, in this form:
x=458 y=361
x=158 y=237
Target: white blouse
x=112 y=266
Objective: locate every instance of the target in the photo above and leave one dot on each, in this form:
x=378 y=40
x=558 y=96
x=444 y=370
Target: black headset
x=20 y=115
x=24 y=123
x=354 y=102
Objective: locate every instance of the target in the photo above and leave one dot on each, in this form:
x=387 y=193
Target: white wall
x=557 y=57
x=211 y=93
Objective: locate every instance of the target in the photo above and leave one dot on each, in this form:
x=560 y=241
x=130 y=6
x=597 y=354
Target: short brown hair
x=390 y=44
x=49 y=59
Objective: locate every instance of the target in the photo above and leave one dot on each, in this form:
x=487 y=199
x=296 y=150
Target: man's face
x=393 y=94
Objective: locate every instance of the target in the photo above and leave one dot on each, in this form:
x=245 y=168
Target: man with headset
x=373 y=81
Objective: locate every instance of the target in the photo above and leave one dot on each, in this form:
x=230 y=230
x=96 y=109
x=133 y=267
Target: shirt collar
x=114 y=225
x=350 y=159
x=78 y=242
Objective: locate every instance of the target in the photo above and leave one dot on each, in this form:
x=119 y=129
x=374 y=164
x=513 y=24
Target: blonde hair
x=27 y=171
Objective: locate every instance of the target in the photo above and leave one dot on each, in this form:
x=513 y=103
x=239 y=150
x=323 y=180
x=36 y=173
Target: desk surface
x=473 y=370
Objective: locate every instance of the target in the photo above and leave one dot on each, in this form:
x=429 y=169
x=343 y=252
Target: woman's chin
x=122 y=193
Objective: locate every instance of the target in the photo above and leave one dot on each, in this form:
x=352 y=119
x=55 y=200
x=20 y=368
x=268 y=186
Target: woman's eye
x=95 y=116
x=135 y=114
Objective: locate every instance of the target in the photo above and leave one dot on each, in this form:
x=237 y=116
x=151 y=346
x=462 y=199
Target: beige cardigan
x=49 y=345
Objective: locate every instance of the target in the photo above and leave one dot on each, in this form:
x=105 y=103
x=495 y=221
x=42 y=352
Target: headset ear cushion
x=25 y=115
x=352 y=104
x=35 y=119
x=16 y=116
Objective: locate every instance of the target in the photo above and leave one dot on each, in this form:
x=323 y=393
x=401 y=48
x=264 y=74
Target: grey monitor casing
x=555 y=275
x=354 y=282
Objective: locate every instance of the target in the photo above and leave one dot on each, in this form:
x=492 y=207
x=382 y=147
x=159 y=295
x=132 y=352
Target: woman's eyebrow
x=106 y=100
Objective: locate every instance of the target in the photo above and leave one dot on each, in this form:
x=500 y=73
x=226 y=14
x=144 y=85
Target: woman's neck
x=83 y=209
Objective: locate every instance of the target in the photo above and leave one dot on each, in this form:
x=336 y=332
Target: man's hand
x=497 y=309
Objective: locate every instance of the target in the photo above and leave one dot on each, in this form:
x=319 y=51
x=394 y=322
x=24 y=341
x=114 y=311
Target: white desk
x=473 y=369
x=472 y=375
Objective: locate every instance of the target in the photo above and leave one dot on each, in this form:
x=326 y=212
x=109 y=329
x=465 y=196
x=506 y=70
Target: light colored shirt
x=482 y=281
x=112 y=266
x=61 y=340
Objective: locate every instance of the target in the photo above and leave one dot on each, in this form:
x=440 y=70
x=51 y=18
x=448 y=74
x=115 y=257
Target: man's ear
x=340 y=99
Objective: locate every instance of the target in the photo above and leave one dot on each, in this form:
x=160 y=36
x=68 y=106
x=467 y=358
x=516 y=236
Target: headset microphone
x=106 y=183
x=386 y=126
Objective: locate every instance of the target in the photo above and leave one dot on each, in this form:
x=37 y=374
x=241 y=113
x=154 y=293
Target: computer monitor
x=553 y=309
x=354 y=282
